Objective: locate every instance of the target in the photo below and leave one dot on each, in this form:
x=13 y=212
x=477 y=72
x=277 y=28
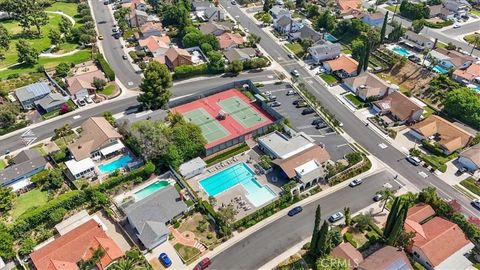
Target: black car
x=295 y=102
x=321 y=125
x=295 y=211
x=461 y=171
x=308 y=111
x=317 y=121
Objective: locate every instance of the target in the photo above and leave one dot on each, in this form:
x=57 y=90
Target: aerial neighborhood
x=235 y=134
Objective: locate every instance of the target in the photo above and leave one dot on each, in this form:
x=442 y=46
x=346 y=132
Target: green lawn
x=355 y=100
x=75 y=58
x=189 y=254
x=2 y=164
x=62 y=143
x=40 y=150
x=391 y=8
x=108 y=90
x=471 y=38
x=328 y=78
x=471 y=185
x=67 y=8
x=296 y=48
x=475 y=11
x=436 y=162
x=27 y=200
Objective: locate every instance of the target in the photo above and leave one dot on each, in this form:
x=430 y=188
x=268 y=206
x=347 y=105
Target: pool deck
x=229 y=195
x=101 y=162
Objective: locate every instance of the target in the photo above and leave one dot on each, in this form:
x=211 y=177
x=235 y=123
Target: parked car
x=308 y=111
x=124 y=57
x=295 y=102
x=301 y=104
x=291 y=56
x=455 y=26
x=317 y=121
x=461 y=171
x=81 y=102
x=414 y=58
x=88 y=99
x=114 y=30
x=295 y=211
x=275 y=104
x=165 y=260
x=203 y=264
x=295 y=73
x=340 y=124
x=272 y=98
x=335 y=217
x=105 y=3
x=290 y=92
x=414 y=160
x=355 y=182
x=377 y=197
x=321 y=125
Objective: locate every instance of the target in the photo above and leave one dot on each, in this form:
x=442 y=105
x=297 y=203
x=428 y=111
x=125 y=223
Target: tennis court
x=241 y=112
x=211 y=129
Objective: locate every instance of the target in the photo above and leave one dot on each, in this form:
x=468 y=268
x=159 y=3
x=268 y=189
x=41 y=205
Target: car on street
x=124 y=57
x=203 y=264
x=247 y=31
x=291 y=56
x=377 y=197
x=295 y=73
x=317 y=121
x=340 y=124
x=476 y=203
x=455 y=26
x=335 y=217
x=7 y=151
x=275 y=104
x=114 y=30
x=105 y=3
x=355 y=182
x=233 y=2
x=290 y=92
x=116 y=35
x=100 y=37
x=307 y=111
x=164 y=259
x=295 y=211
x=301 y=104
x=413 y=160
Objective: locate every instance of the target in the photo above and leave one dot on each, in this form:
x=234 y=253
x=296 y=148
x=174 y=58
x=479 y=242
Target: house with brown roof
x=81 y=86
x=216 y=28
x=438 y=243
x=470 y=158
x=442 y=132
x=348 y=252
x=343 y=66
x=230 y=40
x=468 y=75
x=78 y=244
x=174 y=57
x=399 y=107
x=151 y=29
x=155 y=45
x=388 y=257
x=368 y=85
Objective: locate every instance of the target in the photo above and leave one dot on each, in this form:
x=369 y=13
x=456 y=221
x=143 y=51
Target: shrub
x=186 y=71
x=57 y=215
x=59 y=156
x=105 y=67
x=39 y=177
x=144 y=172
x=349 y=238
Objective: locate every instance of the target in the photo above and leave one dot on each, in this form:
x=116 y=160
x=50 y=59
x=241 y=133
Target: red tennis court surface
x=236 y=106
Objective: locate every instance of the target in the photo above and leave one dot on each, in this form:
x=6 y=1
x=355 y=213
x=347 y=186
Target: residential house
x=98 y=139
x=388 y=257
x=201 y=5
x=27 y=95
x=324 y=51
x=460 y=7
x=25 y=164
x=192 y=168
x=344 y=66
x=50 y=102
x=368 y=85
x=470 y=158
x=278 y=11
x=438 y=243
x=211 y=13
x=399 y=107
x=216 y=28
x=348 y=6
x=174 y=57
x=78 y=244
x=80 y=86
x=441 y=12
x=468 y=75
x=84 y=168
x=306 y=32
x=228 y=41
x=242 y=54
x=417 y=41
x=456 y=59
x=137 y=18
x=149 y=216
x=151 y=29
x=349 y=253
x=443 y=61
x=373 y=19
x=136 y=4
x=446 y=135
x=286 y=25
x=156 y=45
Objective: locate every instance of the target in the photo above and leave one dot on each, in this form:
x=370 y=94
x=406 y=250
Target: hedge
x=14 y=127
x=105 y=67
x=186 y=71
x=227 y=154
x=144 y=172
x=349 y=238
x=432 y=148
x=471 y=185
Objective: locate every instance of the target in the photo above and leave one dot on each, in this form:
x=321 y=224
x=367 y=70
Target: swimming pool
x=329 y=37
x=238 y=174
x=401 y=51
x=150 y=189
x=116 y=164
x=440 y=69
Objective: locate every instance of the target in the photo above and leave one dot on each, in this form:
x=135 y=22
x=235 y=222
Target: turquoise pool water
x=440 y=69
x=238 y=174
x=401 y=51
x=116 y=164
x=329 y=37
x=150 y=189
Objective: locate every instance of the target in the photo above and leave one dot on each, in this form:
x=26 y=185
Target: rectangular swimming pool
x=401 y=51
x=150 y=189
x=238 y=174
x=116 y=164
x=440 y=69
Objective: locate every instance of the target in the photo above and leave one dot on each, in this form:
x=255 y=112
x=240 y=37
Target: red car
x=203 y=264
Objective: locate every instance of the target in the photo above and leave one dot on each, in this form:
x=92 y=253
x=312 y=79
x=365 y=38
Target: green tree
x=99 y=83
x=26 y=246
x=300 y=3
x=88 y=264
x=235 y=67
x=326 y=21
x=192 y=39
x=368 y=46
x=6 y=245
x=110 y=119
x=57 y=215
x=323 y=245
x=463 y=103
x=397 y=228
x=253 y=39
x=289 y=4
x=384 y=27
x=316 y=229
x=188 y=139
x=363 y=221
x=37 y=15
x=313 y=10
x=417 y=25
x=26 y=53
x=348 y=216
x=358 y=49
x=206 y=48
x=65 y=26
x=127 y=264
x=8 y=115
x=397 y=32
x=414 y=11
x=155 y=86
x=7 y=197
x=387 y=195
x=54 y=179
x=55 y=37
x=266 y=18
x=151 y=138
x=216 y=64
x=62 y=70
x=4 y=40
x=267 y=5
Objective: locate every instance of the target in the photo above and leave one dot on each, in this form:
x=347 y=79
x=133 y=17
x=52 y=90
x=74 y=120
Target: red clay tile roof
x=343 y=63
x=64 y=252
x=153 y=43
x=350 y=253
x=420 y=212
x=470 y=73
x=348 y=5
x=229 y=39
x=151 y=26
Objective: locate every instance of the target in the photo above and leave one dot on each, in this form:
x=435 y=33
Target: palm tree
x=476 y=41
x=127 y=264
x=387 y=194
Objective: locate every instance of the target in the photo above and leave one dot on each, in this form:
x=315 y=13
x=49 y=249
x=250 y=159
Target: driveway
x=152 y=257
x=336 y=145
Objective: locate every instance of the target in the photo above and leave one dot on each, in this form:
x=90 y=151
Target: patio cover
x=112 y=148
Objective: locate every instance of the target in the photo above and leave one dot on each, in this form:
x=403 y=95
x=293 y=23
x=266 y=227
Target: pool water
x=149 y=190
x=402 y=51
x=238 y=174
x=116 y=164
x=329 y=37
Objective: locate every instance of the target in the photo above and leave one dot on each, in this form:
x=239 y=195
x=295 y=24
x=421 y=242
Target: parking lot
x=336 y=145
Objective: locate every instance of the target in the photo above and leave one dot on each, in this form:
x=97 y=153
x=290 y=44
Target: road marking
x=279 y=58
x=303 y=127
x=130 y=83
x=383 y=146
x=270 y=76
x=77 y=117
x=342 y=145
x=423 y=174
x=317 y=136
x=310 y=82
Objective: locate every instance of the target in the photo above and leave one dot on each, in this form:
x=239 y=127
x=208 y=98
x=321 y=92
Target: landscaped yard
x=328 y=78
x=57 y=112
x=33 y=198
x=2 y=164
x=471 y=38
x=204 y=233
x=475 y=11
x=68 y=8
x=189 y=254
x=355 y=100
x=471 y=185
x=62 y=142
x=296 y=48
x=108 y=90
x=435 y=161
x=391 y=8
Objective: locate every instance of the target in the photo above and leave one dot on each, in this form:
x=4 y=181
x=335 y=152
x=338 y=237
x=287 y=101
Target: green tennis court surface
x=241 y=112
x=211 y=129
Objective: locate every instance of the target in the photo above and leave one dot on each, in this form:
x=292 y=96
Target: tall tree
x=55 y=37
x=326 y=21
x=316 y=228
x=4 y=38
x=384 y=27
x=267 y=5
x=26 y=53
x=397 y=228
x=393 y=216
x=386 y=194
x=323 y=243
x=38 y=17
x=155 y=86
x=65 y=26
x=300 y=3
x=366 y=57
x=348 y=216
x=7 y=196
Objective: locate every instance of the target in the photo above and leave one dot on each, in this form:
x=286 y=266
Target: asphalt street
x=112 y=48
x=352 y=125
x=275 y=238
x=45 y=131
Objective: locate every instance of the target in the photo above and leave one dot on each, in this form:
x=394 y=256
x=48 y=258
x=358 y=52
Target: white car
x=88 y=99
x=355 y=182
x=295 y=73
x=455 y=26
x=335 y=217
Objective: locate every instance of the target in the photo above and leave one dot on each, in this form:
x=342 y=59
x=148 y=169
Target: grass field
x=67 y=8
x=2 y=164
x=296 y=48
x=328 y=78
x=108 y=90
x=355 y=100
x=27 y=200
x=189 y=254
x=471 y=38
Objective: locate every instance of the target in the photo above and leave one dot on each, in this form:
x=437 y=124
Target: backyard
x=22 y=80
x=202 y=229
x=33 y=198
x=296 y=48
x=64 y=141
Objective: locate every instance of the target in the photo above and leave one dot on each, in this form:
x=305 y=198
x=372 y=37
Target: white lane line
x=382 y=145
x=77 y=117
x=423 y=174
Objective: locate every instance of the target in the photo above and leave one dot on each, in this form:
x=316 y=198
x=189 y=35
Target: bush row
x=349 y=238
x=227 y=154
x=351 y=173
x=105 y=67
x=186 y=71
x=432 y=148
x=142 y=172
